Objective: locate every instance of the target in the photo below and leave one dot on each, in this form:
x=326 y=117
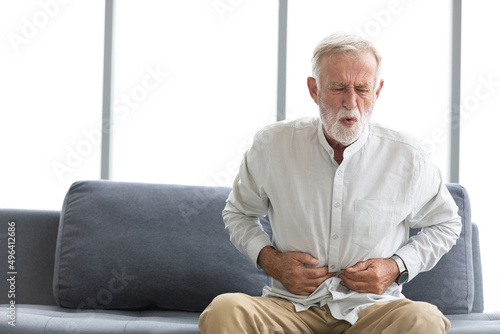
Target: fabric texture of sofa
x=148 y=258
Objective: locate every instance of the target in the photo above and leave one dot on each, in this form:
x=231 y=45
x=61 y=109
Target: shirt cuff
x=255 y=246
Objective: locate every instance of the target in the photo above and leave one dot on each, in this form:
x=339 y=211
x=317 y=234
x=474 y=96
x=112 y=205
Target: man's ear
x=313 y=88
x=377 y=93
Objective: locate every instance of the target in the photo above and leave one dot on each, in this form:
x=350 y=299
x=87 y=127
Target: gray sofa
x=147 y=258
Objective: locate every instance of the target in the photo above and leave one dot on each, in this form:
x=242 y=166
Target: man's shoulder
x=277 y=136
x=397 y=137
x=291 y=126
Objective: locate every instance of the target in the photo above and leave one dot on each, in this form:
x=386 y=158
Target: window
x=51 y=99
x=479 y=142
x=194 y=81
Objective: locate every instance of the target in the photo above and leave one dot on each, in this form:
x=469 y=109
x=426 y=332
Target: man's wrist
x=394 y=267
x=264 y=254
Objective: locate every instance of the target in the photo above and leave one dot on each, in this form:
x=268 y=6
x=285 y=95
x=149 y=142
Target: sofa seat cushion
x=45 y=319
x=140 y=246
x=474 y=323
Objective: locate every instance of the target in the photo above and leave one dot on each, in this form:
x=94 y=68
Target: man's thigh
x=400 y=316
x=240 y=313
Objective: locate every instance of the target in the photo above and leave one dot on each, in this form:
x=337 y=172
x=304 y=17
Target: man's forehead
x=354 y=56
x=365 y=60
x=344 y=69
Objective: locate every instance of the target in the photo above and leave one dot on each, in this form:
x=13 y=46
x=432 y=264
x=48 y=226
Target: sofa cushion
x=135 y=246
x=450 y=284
x=36 y=319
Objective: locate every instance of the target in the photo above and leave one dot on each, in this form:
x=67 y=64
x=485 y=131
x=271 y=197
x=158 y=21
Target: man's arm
x=436 y=213
x=245 y=204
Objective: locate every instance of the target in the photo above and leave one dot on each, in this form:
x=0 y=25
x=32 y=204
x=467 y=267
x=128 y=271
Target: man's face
x=345 y=93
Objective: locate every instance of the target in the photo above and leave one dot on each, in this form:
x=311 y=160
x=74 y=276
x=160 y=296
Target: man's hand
x=289 y=268
x=371 y=276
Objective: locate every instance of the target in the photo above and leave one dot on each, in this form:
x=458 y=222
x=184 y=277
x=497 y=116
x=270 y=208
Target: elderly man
x=341 y=194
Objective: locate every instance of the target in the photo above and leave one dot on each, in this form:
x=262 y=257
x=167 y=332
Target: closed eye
x=363 y=89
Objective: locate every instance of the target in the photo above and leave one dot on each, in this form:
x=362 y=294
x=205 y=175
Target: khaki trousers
x=235 y=313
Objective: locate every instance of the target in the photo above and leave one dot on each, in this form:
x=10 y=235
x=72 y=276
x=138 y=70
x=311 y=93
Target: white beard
x=337 y=130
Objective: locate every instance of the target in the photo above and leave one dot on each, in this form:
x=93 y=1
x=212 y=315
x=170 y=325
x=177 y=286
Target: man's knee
x=221 y=305
x=222 y=311
x=401 y=316
x=225 y=302
x=424 y=317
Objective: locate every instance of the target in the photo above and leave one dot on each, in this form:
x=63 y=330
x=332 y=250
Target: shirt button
x=331 y=151
x=335 y=237
x=339 y=173
x=332 y=266
x=337 y=205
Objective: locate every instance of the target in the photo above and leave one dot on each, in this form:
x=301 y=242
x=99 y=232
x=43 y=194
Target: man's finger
x=354 y=285
x=360 y=276
x=360 y=266
x=317 y=272
x=306 y=259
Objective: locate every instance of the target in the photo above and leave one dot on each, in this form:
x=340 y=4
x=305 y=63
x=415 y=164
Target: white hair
x=344 y=43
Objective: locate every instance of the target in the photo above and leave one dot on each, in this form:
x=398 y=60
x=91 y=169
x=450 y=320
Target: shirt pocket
x=372 y=222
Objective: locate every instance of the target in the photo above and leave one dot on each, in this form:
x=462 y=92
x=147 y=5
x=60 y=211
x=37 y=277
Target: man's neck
x=338 y=148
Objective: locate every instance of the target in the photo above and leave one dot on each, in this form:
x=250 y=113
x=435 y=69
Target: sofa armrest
x=35 y=244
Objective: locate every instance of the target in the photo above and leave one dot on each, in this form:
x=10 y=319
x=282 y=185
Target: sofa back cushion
x=450 y=284
x=136 y=246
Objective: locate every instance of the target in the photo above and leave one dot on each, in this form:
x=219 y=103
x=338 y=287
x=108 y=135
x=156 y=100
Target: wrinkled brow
x=344 y=85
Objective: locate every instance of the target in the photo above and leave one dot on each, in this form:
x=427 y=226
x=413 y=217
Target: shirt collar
x=351 y=149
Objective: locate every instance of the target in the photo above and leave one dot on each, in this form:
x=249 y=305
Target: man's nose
x=350 y=99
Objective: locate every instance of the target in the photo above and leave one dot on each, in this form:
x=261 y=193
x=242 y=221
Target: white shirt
x=340 y=214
